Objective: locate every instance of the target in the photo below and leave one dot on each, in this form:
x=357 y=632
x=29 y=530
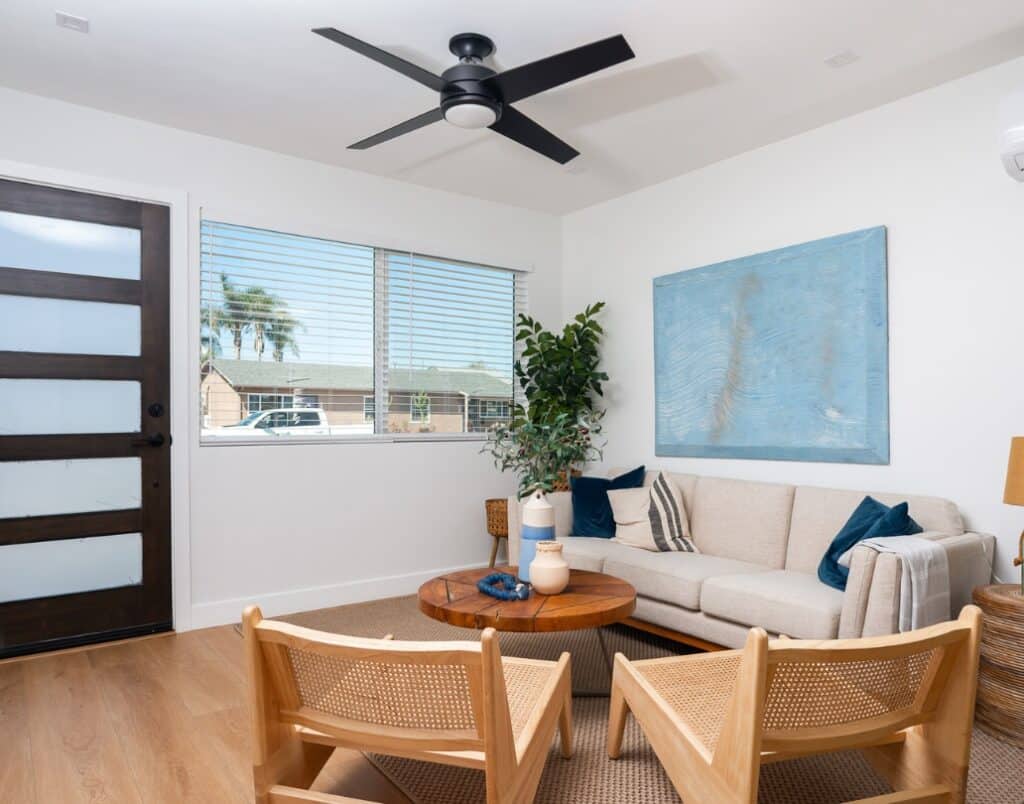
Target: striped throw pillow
x=652 y=518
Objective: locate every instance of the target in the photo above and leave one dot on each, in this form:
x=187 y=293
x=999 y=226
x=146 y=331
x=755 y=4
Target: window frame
x=381 y=392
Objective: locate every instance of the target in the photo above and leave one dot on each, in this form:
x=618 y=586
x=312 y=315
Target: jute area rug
x=996 y=777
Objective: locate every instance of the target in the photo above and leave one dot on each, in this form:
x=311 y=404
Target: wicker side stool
x=1000 y=708
x=497 y=523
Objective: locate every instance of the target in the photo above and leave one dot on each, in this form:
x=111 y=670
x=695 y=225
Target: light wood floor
x=158 y=719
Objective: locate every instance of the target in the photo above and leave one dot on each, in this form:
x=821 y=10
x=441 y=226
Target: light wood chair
x=907 y=700
x=458 y=703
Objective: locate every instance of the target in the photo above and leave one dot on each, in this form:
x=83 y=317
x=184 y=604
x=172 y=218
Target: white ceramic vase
x=549 y=572
x=538 y=525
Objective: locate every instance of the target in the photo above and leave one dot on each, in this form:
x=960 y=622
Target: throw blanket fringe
x=924 y=585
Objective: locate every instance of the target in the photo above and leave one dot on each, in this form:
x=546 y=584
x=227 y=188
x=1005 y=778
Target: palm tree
x=211 y=325
x=235 y=310
x=260 y=310
x=281 y=331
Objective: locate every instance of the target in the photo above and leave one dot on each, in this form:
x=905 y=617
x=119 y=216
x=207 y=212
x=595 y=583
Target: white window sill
x=383 y=438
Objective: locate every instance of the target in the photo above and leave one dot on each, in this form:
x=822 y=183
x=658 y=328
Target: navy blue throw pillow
x=591 y=510
x=869 y=520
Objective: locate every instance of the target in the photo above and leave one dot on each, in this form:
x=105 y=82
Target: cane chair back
x=414 y=694
x=844 y=689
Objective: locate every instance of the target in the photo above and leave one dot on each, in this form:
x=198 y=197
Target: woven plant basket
x=562 y=484
x=497 y=516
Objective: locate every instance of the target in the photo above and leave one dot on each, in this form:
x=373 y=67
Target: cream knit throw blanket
x=924 y=585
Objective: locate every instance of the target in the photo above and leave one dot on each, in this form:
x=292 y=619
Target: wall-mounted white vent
x=1012 y=135
x=80 y=24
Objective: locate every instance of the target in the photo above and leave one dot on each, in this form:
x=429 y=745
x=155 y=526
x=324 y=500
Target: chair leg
x=616 y=721
x=565 y=724
x=494 y=551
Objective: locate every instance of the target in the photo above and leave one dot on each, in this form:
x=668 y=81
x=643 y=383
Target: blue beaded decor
x=503 y=587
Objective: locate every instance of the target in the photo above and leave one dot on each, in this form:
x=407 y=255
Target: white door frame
x=180 y=344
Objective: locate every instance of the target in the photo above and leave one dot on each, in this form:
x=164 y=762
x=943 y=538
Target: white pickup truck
x=286 y=422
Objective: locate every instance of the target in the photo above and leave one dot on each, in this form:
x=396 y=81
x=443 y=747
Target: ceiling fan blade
x=406 y=68
x=419 y=121
x=538 y=76
x=517 y=126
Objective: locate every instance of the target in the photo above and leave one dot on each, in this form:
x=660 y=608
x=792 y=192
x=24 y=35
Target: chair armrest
x=561 y=501
x=871 y=603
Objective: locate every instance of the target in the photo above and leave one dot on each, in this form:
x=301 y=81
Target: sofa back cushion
x=819 y=513
x=742 y=519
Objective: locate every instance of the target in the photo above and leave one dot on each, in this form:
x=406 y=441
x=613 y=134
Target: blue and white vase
x=538 y=526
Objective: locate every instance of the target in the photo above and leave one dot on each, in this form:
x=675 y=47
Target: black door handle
x=155 y=440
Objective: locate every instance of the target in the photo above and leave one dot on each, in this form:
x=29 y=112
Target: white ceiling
x=710 y=79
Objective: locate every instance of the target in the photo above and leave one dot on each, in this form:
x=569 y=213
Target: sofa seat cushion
x=589 y=553
x=674 y=578
x=781 y=601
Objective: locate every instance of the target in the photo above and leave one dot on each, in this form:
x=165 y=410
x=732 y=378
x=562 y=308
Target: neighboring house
x=419 y=400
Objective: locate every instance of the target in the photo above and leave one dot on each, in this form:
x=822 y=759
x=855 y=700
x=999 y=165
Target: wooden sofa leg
x=616 y=714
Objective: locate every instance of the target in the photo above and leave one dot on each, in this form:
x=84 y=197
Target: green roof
x=278 y=376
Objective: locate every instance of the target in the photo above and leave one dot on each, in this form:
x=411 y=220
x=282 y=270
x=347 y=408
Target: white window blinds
x=375 y=342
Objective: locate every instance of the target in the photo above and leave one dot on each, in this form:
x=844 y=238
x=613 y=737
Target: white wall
x=295 y=527
x=927 y=167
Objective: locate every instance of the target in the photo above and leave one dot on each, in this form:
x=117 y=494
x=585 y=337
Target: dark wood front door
x=84 y=418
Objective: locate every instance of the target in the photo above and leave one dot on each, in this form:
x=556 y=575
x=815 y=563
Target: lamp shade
x=1014 y=494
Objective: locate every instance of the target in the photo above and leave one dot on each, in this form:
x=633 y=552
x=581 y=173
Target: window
x=344 y=331
x=257 y=402
x=419 y=409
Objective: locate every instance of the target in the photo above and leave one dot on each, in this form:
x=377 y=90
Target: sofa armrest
x=871 y=603
x=561 y=501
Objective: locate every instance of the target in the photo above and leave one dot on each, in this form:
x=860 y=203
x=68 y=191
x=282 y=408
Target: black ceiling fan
x=475 y=96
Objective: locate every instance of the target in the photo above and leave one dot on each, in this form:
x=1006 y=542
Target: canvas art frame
x=782 y=355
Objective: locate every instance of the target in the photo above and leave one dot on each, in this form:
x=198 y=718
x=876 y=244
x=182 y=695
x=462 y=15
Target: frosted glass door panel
x=32 y=324
x=66 y=566
x=56 y=407
x=70 y=247
x=43 y=488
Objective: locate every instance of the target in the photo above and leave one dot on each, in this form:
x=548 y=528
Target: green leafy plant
x=559 y=373
x=541 y=453
x=561 y=381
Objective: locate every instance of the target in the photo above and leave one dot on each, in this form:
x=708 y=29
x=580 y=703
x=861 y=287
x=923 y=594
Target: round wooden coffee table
x=591 y=599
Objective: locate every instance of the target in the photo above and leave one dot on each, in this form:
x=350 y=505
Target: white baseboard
x=221 y=612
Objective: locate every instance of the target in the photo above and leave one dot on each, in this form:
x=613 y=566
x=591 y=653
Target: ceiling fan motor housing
x=463 y=85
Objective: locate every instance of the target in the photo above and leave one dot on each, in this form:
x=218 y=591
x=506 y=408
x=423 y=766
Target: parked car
x=287 y=422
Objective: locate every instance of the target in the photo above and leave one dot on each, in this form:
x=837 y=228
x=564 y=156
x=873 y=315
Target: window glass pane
x=71 y=247
x=287 y=322
x=451 y=341
x=68 y=326
x=41 y=488
x=42 y=569
x=40 y=407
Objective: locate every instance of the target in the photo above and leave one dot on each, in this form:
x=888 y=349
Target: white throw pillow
x=652 y=518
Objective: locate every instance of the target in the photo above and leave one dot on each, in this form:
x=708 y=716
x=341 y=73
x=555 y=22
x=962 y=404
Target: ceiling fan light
x=471 y=115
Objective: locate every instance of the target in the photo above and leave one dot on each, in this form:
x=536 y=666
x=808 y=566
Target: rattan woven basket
x=497 y=516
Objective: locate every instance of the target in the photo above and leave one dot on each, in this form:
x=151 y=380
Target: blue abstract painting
x=779 y=356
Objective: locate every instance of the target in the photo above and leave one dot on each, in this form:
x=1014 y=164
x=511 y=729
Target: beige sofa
x=760 y=545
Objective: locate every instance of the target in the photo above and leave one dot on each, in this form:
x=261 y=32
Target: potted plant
x=555 y=430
